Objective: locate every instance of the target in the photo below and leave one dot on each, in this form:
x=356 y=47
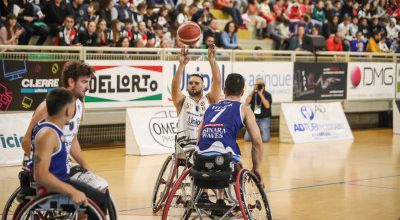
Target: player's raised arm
x=177 y=95
x=215 y=91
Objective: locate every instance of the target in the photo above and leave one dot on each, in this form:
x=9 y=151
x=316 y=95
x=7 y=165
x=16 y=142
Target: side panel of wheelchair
x=232 y=193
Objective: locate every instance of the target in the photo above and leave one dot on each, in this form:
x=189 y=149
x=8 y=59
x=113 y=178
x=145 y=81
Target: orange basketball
x=189 y=33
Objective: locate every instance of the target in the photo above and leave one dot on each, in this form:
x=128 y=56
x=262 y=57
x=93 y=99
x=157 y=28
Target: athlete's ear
x=71 y=83
x=241 y=94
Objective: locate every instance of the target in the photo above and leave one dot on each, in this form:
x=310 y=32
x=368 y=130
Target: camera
x=260 y=87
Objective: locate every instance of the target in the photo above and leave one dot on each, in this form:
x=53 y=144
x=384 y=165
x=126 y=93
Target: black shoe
x=220 y=212
x=204 y=198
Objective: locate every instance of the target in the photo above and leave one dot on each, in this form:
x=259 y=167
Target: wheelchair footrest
x=213 y=206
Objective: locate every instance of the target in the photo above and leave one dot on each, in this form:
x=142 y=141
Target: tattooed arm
x=46 y=143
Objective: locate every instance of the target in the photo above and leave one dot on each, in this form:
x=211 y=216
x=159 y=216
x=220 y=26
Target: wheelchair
x=233 y=192
x=30 y=202
x=171 y=170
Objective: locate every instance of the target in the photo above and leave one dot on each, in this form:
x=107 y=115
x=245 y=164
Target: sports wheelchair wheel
x=11 y=205
x=252 y=197
x=179 y=201
x=57 y=206
x=162 y=184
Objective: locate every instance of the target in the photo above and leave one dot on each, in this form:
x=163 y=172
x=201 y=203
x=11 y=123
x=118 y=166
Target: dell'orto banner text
x=371 y=81
x=277 y=76
x=122 y=83
x=24 y=84
x=319 y=81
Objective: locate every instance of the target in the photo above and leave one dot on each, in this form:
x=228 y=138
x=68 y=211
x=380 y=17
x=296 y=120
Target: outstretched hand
x=211 y=52
x=183 y=56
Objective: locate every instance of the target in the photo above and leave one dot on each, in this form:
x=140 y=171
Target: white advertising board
x=12 y=130
x=193 y=67
x=124 y=83
x=150 y=130
x=310 y=122
x=371 y=81
x=278 y=77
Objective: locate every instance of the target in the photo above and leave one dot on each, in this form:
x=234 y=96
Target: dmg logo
x=163 y=128
x=10 y=141
x=370 y=76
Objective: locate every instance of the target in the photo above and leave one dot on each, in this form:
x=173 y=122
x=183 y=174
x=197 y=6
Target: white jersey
x=191 y=116
x=70 y=130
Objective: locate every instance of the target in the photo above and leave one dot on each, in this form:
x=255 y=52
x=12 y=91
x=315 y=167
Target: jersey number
x=217 y=115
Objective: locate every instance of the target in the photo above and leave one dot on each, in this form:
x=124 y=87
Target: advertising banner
x=371 y=81
x=193 y=67
x=319 y=81
x=309 y=122
x=398 y=81
x=124 y=83
x=150 y=130
x=12 y=130
x=24 y=84
x=396 y=116
x=278 y=77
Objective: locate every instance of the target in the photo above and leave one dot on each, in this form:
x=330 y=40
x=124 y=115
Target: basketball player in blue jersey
x=50 y=154
x=190 y=109
x=222 y=122
x=75 y=77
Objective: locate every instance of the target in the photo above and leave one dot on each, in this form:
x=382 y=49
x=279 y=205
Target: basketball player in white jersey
x=75 y=77
x=190 y=109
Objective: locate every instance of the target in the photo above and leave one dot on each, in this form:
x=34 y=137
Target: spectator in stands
x=89 y=36
x=296 y=41
x=150 y=18
x=329 y=11
x=161 y=3
x=30 y=21
x=354 y=27
x=90 y=12
x=280 y=9
x=374 y=8
x=319 y=16
x=344 y=27
x=260 y=22
x=316 y=30
x=265 y=11
x=128 y=30
x=347 y=9
x=365 y=11
x=104 y=35
x=395 y=46
x=337 y=8
x=106 y=7
x=183 y=14
x=141 y=33
x=209 y=40
x=382 y=6
x=229 y=36
x=305 y=21
x=364 y=28
x=163 y=19
x=331 y=27
x=123 y=42
x=392 y=29
x=6 y=8
x=382 y=44
x=161 y=36
x=192 y=11
x=294 y=12
x=212 y=30
x=55 y=11
x=273 y=32
x=123 y=11
x=138 y=16
x=74 y=8
x=227 y=7
x=373 y=43
x=334 y=42
x=358 y=44
x=116 y=31
x=11 y=31
x=203 y=16
x=67 y=35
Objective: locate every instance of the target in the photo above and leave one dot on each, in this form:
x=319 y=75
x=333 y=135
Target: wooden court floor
x=329 y=180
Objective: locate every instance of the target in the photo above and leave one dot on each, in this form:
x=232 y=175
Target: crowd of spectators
x=347 y=25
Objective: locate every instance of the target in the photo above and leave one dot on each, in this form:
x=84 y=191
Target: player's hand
x=183 y=56
x=211 y=52
x=79 y=197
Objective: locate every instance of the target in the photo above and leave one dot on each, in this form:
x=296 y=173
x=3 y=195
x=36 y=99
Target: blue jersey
x=221 y=125
x=59 y=159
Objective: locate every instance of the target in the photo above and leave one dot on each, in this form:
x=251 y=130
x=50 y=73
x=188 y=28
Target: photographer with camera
x=260 y=102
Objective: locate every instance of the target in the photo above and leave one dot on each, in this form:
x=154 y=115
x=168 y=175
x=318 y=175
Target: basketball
x=189 y=33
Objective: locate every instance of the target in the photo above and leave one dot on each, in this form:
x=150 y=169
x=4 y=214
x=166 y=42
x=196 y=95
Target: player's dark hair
x=57 y=99
x=75 y=69
x=234 y=84
x=197 y=75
